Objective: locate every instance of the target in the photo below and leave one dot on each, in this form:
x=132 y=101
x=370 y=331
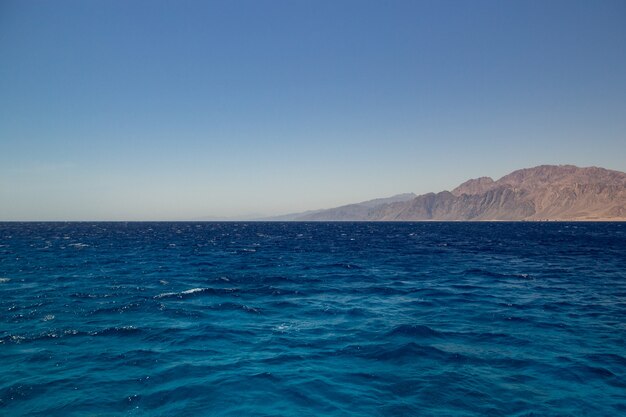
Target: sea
x=313 y=319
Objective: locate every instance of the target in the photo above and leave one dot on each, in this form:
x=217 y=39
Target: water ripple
x=304 y=319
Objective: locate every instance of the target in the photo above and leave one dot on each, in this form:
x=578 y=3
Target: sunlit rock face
x=546 y=192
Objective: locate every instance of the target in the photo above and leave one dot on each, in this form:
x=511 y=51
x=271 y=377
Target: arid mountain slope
x=546 y=192
x=356 y=211
x=550 y=192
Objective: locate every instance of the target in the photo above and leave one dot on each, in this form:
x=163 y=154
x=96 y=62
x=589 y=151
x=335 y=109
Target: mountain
x=357 y=211
x=546 y=192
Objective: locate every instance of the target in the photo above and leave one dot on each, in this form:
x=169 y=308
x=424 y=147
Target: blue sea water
x=310 y=319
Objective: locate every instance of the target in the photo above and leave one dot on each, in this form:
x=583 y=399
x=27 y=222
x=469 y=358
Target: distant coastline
x=543 y=193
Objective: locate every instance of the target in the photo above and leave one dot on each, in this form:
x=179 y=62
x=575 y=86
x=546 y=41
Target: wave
x=198 y=291
x=234 y=307
x=395 y=353
x=413 y=330
x=487 y=273
x=392 y=326
x=78 y=245
x=117 y=331
x=59 y=334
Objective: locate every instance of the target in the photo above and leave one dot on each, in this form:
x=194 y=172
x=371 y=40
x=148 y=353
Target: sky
x=186 y=110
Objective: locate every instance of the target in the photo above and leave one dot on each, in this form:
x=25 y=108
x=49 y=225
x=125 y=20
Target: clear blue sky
x=184 y=109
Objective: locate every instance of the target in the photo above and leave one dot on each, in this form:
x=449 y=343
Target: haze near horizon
x=188 y=110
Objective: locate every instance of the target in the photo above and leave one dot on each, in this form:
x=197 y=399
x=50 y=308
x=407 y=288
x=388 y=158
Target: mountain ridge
x=544 y=192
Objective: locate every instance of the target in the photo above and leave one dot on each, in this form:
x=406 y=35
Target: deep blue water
x=311 y=319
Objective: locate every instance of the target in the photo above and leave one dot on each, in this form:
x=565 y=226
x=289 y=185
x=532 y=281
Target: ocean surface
x=312 y=319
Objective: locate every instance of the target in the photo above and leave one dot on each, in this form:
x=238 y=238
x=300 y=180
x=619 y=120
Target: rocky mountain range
x=546 y=192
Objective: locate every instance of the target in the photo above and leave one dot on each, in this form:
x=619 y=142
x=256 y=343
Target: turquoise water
x=310 y=319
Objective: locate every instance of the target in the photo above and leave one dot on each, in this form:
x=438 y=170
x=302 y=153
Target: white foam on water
x=165 y=294
x=5 y=280
x=78 y=245
x=186 y=292
x=191 y=291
